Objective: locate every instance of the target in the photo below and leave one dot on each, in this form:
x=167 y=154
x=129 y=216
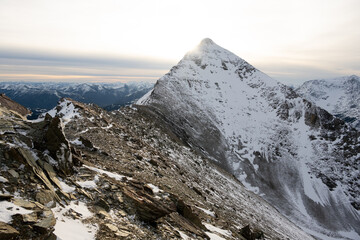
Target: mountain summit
x=206 y=41
x=294 y=154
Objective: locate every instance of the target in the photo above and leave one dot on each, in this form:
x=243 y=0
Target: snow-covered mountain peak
x=209 y=53
x=265 y=134
x=205 y=46
x=214 y=65
x=207 y=41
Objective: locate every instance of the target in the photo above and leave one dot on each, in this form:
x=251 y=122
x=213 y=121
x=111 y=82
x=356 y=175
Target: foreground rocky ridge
x=81 y=172
x=297 y=156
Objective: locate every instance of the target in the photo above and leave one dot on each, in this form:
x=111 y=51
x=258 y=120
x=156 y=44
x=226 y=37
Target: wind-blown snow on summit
x=340 y=96
x=295 y=155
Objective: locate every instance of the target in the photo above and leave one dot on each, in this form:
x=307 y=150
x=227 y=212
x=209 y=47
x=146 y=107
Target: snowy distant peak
x=338 y=81
x=355 y=78
x=42 y=96
x=340 y=96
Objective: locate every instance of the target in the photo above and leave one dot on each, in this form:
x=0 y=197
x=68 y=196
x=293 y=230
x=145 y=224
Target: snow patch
x=154 y=188
x=68 y=228
x=76 y=142
x=214 y=236
x=208 y=212
x=107 y=127
x=184 y=236
x=212 y=228
x=115 y=176
x=8 y=209
x=66 y=188
x=90 y=184
x=3 y=180
x=65 y=110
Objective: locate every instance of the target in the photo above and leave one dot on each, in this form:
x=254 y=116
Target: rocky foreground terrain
x=83 y=173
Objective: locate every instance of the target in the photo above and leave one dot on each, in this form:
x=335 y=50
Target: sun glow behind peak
x=291 y=34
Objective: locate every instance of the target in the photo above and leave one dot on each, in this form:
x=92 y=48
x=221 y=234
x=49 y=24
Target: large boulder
x=58 y=145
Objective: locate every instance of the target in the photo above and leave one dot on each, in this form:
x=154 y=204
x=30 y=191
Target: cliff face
x=6 y=104
x=297 y=156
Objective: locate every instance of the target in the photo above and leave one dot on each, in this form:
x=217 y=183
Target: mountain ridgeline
x=41 y=97
x=340 y=96
x=296 y=155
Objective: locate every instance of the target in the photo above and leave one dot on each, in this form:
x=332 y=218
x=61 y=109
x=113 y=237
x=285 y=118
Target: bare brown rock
x=7 y=231
x=11 y=105
x=148 y=208
x=46 y=197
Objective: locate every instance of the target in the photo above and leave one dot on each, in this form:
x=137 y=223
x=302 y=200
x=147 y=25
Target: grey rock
x=47 y=223
x=13 y=173
x=30 y=218
x=46 y=197
x=103 y=204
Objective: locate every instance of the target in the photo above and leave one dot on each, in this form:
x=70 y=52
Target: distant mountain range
x=340 y=96
x=41 y=97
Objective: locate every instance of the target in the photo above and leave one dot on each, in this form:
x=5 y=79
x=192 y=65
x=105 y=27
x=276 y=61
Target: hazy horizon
x=111 y=41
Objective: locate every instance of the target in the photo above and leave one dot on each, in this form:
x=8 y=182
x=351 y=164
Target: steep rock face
x=340 y=96
x=8 y=104
x=295 y=155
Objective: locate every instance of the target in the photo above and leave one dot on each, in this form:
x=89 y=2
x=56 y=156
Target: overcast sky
x=114 y=40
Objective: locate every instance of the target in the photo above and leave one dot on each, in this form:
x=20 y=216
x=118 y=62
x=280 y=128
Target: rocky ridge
x=8 y=106
x=81 y=172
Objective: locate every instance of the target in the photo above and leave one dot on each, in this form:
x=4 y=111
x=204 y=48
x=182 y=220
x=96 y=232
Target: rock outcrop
x=7 y=231
x=14 y=107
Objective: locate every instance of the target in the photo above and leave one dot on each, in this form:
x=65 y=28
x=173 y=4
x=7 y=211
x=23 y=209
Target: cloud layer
x=37 y=66
x=290 y=40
